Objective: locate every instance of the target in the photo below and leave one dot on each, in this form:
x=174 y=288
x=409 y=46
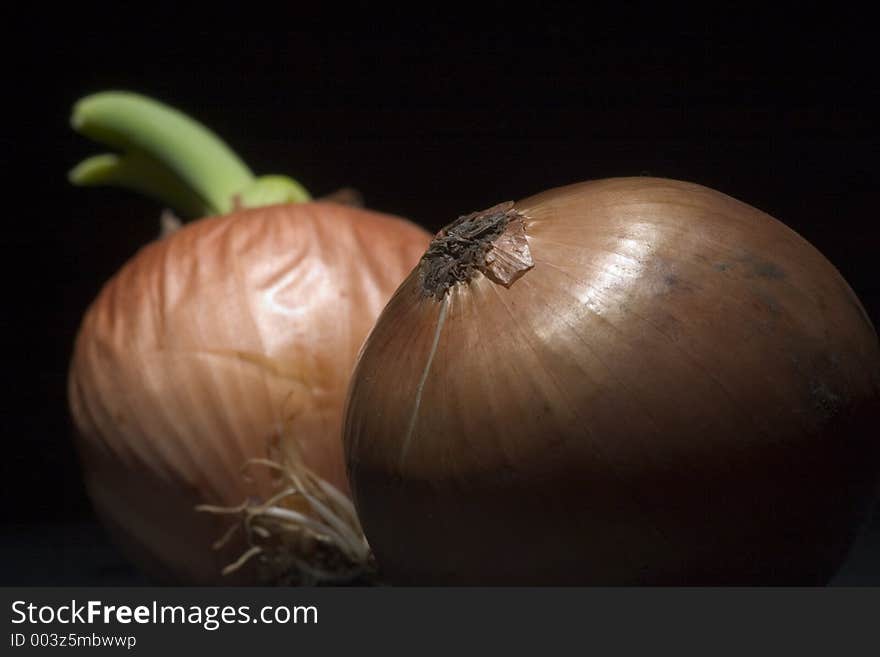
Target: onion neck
x=171 y=157
x=492 y=242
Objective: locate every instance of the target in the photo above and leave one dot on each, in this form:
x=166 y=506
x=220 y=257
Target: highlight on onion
x=227 y=343
x=624 y=381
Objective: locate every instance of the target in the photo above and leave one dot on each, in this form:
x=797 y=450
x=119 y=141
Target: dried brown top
x=492 y=242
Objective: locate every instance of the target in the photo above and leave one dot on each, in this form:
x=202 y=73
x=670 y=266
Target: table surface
x=80 y=554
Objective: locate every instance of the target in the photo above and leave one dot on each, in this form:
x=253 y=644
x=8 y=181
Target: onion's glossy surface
x=211 y=343
x=677 y=389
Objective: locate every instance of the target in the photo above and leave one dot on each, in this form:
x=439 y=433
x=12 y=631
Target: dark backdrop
x=431 y=115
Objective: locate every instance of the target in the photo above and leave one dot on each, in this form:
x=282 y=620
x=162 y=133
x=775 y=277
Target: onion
x=624 y=381
x=231 y=339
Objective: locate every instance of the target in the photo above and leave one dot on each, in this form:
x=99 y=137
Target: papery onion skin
x=208 y=345
x=681 y=390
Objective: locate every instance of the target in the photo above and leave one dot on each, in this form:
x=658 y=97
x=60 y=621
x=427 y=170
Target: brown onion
x=231 y=339
x=625 y=381
x=209 y=344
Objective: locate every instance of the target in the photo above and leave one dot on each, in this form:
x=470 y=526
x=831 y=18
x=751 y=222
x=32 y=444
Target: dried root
x=306 y=533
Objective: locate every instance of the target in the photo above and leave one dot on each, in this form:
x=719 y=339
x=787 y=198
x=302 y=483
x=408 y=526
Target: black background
x=430 y=114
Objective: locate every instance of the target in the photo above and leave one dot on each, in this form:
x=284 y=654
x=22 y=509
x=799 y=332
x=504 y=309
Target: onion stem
x=140 y=173
x=171 y=157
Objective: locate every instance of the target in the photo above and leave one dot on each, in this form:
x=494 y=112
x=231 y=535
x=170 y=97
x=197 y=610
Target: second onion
x=627 y=381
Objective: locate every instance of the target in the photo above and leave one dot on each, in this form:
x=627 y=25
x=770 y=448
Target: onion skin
x=681 y=390
x=209 y=344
